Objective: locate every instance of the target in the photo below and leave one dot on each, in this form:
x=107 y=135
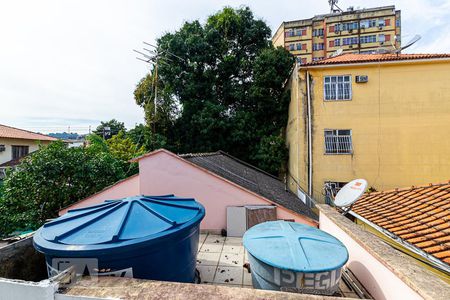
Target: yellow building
x=382 y=117
x=354 y=31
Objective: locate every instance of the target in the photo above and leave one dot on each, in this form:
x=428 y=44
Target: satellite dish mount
x=349 y=194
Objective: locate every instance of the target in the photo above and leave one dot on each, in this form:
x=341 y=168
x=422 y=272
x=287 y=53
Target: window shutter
x=303 y=31
x=387 y=37
x=331 y=28
x=331 y=43
x=303 y=46
x=387 y=22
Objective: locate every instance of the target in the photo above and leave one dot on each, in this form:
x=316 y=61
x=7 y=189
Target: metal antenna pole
x=156 y=83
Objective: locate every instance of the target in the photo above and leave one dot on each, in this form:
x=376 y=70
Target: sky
x=68 y=64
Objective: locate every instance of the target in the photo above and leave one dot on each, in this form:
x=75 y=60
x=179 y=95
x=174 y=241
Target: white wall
x=7 y=154
x=379 y=280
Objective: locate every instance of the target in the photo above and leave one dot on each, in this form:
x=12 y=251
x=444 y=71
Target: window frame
x=336 y=88
x=336 y=133
x=19 y=151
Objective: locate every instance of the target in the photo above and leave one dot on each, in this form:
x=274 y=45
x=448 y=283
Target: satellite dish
x=351 y=192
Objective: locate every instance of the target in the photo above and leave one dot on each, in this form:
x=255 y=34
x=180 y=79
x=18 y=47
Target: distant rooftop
x=352 y=58
x=251 y=178
x=417 y=215
x=16 y=133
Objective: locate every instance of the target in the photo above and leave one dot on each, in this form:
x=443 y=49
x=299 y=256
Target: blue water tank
x=149 y=237
x=289 y=256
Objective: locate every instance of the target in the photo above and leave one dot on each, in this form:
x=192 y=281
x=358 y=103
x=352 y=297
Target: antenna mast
x=334 y=8
x=154 y=58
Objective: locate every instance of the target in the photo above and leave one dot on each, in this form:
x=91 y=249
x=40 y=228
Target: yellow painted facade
x=360 y=31
x=399 y=122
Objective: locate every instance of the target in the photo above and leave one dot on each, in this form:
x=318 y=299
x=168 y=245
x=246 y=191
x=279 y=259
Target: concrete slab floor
x=220 y=260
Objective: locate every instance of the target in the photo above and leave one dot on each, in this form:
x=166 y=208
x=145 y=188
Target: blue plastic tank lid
x=119 y=222
x=296 y=247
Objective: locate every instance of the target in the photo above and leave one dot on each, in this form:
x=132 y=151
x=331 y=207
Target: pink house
x=217 y=180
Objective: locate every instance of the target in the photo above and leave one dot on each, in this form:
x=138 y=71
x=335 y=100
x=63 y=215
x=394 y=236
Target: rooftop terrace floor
x=221 y=260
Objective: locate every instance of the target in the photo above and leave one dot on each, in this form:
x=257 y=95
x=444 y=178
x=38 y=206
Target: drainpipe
x=308 y=93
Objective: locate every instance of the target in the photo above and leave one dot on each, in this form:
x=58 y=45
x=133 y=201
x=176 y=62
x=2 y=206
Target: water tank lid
x=296 y=247
x=119 y=222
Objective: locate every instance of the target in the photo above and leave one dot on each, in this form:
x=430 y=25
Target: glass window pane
x=327 y=79
x=340 y=91
x=333 y=91
x=333 y=78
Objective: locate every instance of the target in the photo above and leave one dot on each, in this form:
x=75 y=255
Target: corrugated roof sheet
x=418 y=215
x=16 y=133
x=251 y=178
x=350 y=58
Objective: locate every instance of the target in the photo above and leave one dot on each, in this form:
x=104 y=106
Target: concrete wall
x=7 y=154
x=19 y=260
x=164 y=173
x=399 y=122
x=125 y=188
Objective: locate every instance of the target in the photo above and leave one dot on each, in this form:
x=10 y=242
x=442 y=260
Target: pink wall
x=162 y=172
x=125 y=188
x=381 y=282
x=165 y=173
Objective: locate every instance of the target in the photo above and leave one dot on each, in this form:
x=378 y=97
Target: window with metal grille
x=338 y=87
x=338 y=141
x=19 y=151
x=331 y=188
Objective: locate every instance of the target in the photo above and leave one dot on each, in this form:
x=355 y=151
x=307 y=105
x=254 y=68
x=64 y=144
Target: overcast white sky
x=70 y=62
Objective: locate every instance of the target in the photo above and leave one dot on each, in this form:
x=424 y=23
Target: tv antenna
x=334 y=8
x=394 y=49
x=154 y=57
x=349 y=194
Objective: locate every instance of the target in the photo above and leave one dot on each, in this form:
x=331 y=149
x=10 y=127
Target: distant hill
x=66 y=136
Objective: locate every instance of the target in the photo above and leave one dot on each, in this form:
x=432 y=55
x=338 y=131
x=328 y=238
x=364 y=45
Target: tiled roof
x=418 y=215
x=16 y=133
x=251 y=178
x=351 y=58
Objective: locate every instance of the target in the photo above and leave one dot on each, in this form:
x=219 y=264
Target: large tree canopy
x=56 y=176
x=221 y=86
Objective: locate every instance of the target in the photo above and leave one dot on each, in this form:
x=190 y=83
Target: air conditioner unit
x=361 y=78
x=2 y=148
x=350 y=46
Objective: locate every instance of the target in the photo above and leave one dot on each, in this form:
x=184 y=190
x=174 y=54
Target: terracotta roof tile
x=418 y=215
x=16 y=133
x=351 y=58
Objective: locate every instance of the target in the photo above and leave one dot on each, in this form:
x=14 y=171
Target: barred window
x=338 y=87
x=338 y=141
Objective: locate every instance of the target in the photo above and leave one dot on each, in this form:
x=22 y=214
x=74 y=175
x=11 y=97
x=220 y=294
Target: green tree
x=229 y=84
x=123 y=148
x=53 y=177
x=114 y=128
